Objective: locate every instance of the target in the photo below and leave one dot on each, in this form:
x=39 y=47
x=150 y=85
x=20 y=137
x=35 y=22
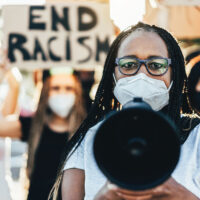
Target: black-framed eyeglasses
x=156 y=66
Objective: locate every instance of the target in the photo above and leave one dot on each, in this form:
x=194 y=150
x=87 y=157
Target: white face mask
x=152 y=91
x=61 y=104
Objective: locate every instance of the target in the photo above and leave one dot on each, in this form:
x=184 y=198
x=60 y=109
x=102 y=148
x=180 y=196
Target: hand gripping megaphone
x=137 y=148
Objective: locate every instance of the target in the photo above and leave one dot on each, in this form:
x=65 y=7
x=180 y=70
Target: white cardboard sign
x=76 y=34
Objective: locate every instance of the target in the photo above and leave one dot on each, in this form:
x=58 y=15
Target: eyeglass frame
x=143 y=62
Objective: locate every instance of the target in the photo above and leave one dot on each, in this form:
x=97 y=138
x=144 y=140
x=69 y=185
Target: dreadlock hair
x=192 y=55
x=105 y=101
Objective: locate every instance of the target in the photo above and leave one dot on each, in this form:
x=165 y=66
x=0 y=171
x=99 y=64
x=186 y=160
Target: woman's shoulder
x=194 y=135
x=92 y=131
x=191 y=147
x=188 y=125
x=96 y=126
x=188 y=169
x=76 y=157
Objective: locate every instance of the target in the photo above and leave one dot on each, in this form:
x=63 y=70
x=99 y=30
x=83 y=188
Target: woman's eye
x=129 y=65
x=69 y=88
x=155 y=66
x=55 y=88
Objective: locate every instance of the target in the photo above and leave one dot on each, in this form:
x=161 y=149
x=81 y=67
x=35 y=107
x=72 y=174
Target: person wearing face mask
x=60 y=112
x=157 y=95
x=144 y=61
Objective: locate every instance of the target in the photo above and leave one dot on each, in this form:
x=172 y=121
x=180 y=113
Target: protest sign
x=76 y=34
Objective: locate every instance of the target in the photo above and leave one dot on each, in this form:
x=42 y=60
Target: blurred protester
x=60 y=112
x=4 y=188
x=193 y=72
x=11 y=76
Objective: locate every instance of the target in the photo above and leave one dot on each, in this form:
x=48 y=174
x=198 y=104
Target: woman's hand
x=108 y=192
x=111 y=192
x=170 y=190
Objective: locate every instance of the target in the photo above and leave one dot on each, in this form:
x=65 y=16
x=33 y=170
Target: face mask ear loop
x=170 y=86
x=114 y=79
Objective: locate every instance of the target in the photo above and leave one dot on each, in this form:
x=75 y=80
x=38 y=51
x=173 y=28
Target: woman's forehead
x=62 y=79
x=143 y=44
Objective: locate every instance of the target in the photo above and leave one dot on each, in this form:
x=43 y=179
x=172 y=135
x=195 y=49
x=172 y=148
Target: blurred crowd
x=43 y=121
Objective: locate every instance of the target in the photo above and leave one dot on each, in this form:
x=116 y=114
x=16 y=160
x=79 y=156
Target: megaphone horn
x=137 y=148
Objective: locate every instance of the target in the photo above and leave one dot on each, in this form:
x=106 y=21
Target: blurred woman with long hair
x=60 y=112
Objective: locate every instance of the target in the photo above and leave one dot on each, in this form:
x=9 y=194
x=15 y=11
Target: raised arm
x=11 y=100
x=10 y=128
x=13 y=77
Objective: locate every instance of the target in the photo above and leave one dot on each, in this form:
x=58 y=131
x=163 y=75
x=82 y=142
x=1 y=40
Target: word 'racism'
x=17 y=41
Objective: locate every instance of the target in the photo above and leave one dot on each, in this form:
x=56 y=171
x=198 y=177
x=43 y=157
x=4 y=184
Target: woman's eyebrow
x=149 y=57
x=155 y=56
x=131 y=56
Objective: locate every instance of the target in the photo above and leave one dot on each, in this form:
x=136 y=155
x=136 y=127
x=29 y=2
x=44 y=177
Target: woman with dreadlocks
x=157 y=67
x=60 y=112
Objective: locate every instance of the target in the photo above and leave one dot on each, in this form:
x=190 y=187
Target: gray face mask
x=152 y=91
x=61 y=104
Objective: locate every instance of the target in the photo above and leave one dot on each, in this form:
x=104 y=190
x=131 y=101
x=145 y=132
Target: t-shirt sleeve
x=25 y=127
x=80 y=157
x=187 y=172
x=76 y=158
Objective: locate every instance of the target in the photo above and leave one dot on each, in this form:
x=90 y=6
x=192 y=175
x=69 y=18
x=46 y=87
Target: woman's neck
x=58 y=124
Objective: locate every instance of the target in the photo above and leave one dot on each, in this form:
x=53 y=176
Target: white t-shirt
x=187 y=172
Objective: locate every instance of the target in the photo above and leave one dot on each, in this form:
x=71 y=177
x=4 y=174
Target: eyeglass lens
x=156 y=66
